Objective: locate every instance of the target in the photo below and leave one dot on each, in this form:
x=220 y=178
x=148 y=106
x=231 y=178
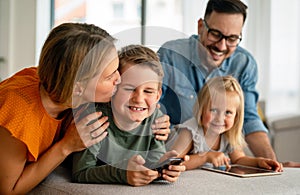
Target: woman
x=78 y=64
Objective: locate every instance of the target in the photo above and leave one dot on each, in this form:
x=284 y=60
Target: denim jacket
x=185 y=75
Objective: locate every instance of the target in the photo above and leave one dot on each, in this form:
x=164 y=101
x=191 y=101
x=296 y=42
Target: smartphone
x=165 y=164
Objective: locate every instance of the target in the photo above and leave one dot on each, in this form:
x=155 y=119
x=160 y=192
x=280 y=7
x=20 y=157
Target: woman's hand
x=161 y=128
x=86 y=132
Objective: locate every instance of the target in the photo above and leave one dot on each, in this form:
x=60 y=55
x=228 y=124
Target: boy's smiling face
x=137 y=95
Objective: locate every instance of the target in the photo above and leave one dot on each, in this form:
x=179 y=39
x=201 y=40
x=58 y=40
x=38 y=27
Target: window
x=271 y=34
x=118 y=9
x=69 y=10
x=284 y=57
x=123 y=18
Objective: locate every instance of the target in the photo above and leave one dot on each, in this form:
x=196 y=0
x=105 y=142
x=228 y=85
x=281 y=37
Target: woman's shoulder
x=20 y=92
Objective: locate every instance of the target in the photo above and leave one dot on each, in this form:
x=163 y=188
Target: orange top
x=23 y=114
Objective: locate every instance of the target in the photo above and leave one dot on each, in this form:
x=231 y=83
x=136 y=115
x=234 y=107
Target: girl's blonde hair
x=214 y=88
x=73 y=52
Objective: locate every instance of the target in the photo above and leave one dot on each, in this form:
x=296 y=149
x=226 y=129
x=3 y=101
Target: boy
x=130 y=147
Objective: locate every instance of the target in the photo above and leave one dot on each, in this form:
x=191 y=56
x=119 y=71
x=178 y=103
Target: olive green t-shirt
x=106 y=162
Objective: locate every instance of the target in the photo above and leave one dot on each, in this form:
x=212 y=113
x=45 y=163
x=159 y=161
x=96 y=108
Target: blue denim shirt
x=185 y=75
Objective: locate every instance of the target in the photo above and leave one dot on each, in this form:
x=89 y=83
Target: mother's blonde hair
x=214 y=88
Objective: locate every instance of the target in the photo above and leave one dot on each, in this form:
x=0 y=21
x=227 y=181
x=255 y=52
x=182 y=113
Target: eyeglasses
x=216 y=36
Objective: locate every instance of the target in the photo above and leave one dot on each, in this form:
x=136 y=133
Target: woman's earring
x=79 y=93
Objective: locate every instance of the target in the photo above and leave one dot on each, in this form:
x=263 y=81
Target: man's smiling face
x=228 y=25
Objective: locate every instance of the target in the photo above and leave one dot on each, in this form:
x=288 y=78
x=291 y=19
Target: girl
x=216 y=128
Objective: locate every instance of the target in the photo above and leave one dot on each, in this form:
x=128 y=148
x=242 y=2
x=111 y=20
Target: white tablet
x=242 y=171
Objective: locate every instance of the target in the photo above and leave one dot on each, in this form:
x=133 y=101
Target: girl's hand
x=218 y=159
x=86 y=132
x=270 y=164
x=161 y=127
x=137 y=173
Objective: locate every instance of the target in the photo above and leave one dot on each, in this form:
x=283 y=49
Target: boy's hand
x=161 y=127
x=173 y=172
x=137 y=174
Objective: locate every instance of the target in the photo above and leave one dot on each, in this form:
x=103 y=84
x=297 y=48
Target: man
x=215 y=51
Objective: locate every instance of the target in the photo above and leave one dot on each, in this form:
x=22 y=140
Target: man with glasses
x=215 y=51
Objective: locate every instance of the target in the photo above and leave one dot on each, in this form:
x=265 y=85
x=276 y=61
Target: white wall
x=43 y=17
x=257 y=40
x=17 y=35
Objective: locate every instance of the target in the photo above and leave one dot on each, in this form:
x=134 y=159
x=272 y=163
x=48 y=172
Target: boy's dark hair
x=226 y=6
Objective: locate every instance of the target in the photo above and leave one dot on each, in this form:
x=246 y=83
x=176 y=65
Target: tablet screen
x=243 y=171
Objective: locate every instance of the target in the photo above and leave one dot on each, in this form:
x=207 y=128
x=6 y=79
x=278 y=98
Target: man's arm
x=256 y=133
x=161 y=127
x=260 y=145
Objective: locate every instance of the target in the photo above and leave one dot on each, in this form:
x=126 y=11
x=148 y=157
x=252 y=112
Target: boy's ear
x=78 y=89
x=159 y=94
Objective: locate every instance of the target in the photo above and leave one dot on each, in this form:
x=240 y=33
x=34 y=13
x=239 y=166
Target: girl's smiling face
x=219 y=117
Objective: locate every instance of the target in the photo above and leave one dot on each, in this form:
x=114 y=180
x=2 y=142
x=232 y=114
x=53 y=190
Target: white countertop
x=190 y=182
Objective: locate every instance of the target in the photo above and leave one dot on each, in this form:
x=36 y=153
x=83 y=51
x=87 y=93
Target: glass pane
x=165 y=19
x=164 y=22
x=165 y=13
x=69 y=11
x=171 y=19
x=115 y=16
x=285 y=60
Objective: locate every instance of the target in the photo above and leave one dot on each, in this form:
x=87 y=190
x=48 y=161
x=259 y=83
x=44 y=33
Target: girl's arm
x=184 y=143
x=239 y=157
x=216 y=158
x=195 y=161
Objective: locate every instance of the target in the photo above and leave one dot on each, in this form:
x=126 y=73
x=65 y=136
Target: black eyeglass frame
x=237 y=37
